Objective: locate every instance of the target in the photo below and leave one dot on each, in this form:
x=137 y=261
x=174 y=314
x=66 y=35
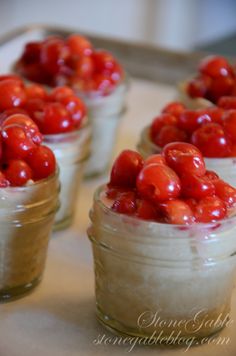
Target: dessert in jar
x=212 y=130
x=94 y=74
x=163 y=238
x=61 y=118
x=29 y=199
x=215 y=79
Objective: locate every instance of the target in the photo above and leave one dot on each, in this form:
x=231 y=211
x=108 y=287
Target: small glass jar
x=160 y=280
x=26 y=217
x=104 y=113
x=72 y=150
x=224 y=167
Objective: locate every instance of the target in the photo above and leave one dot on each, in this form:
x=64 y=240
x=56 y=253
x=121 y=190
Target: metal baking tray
x=140 y=60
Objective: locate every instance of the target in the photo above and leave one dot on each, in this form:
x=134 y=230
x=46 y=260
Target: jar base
x=118 y=329
x=63 y=224
x=9 y=295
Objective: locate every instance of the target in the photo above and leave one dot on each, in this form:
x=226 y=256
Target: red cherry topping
x=215 y=66
x=53 y=54
x=35 y=91
x=125 y=203
x=79 y=46
x=55 y=119
x=17 y=172
x=227 y=102
x=75 y=108
x=169 y=134
x=210 y=209
x=59 y=93
x=156 y=158
x=160 y=121
x=199 y=87
x=212 y=141
x=184 y=158
x=125 y=169
x=229 y=124
x=174 y=108
x=42 y=161
x=158 y=183
x=17 y=143
x=190 y=120
x=146 y=210
x=12 y=94
x=178 y=212
x=225 y=192
x=196 y=187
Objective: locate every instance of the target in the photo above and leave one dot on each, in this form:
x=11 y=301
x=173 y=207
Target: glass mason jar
x=72 y=150
x=224 y=167
x=26 y=217
x=159 y=280
x=104 y=113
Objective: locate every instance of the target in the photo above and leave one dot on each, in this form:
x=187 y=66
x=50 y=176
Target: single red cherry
x=125 y=169
x=225 y=192
x=212 y=141
x=220 y=86
x=210 y=209
x=3 y=181
x=31 y=53
x=169 y=134
x=35 y=91
x=215 y=113
x=196 y=187
x=174 y=108
x=161 y=121
x=158 y=183
x=17 y=172
x=17 y=143
x=5 y=114
x=190 y=120
x=54 y=53
x=184 y=158
x=55 y=119
x=101 y=83
x=75 y=107
x=227 y=102
x=198 y=87
x=146 y=210
x=125 y=203
x=84 y=67
x=42 y=162
x=24 y=121
x=104 y=62
x=178 y=212
x=215 y=66
x=59 y=93
x=229 y=124
x=155 y=158
x=12 y=94
x=79 y=45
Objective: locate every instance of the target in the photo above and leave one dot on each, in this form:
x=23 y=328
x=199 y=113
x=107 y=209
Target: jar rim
x=134 y=219
x=158 y=149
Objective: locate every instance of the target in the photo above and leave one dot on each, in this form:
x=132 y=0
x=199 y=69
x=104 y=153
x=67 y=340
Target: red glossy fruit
x=210 y=209
x=115 y=192
x=3 y=181
x=17 y=143
x=184 y=158
x=158 y=183
x=196 y=187
x=225 y=192
x=14 y=77
x=174 y=108
x=169 y=134
x=84 y=67
x=35 y=91
x=79 y=45
x=146 y=210
x=190 y=120
x=220 y=86
x=75 y=107
x=215 y=66
x=104 y=62
x=125 y=169
x=42 y=161
x=212 y=141
x=54 y=53
x=17 y=172
x=198 y=87
x=156 y=158
x=59 y=93
x=101 y=83
x=161 y=121
x=178 y=212
x=5 y=114
x=55 y=119
x=215 y=113
x=31 y=129
x=12 y=94
x=227 y=102
x=229 y=124
x=212 y=176
x=34 y=108
x=31 y=52
x=125 y=204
